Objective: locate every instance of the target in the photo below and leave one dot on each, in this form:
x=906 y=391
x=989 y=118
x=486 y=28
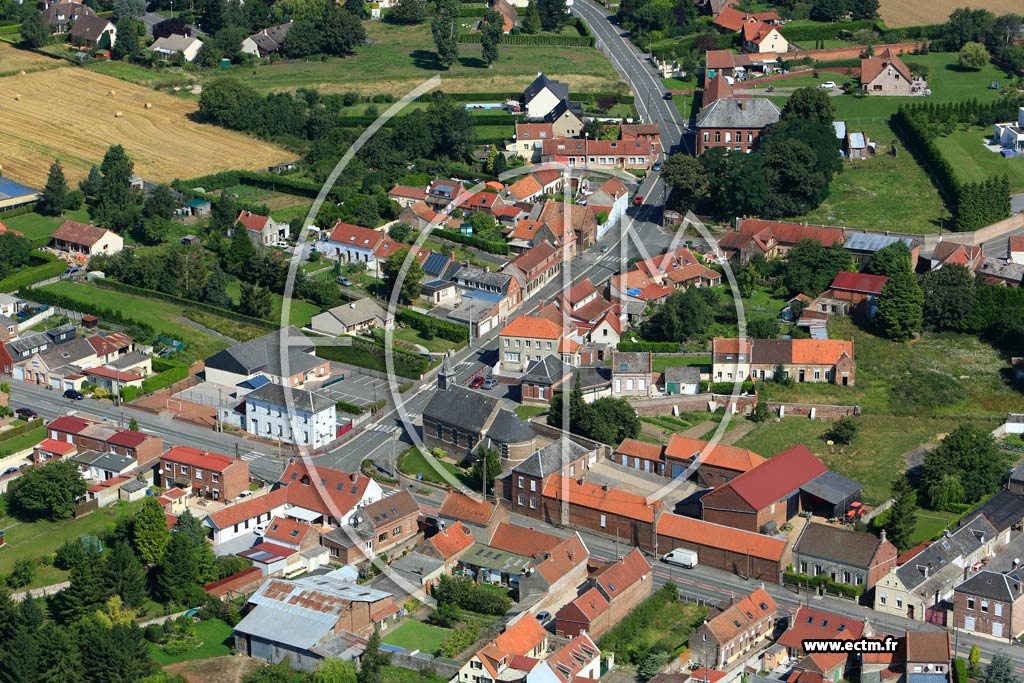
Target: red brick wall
x=744 y=146
x=242 y=582
x=1012 y=619
x=853 y=52
x=630 y=531
x=622 y=605
x=883 y=561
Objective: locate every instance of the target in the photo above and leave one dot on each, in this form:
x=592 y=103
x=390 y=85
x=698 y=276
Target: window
x=641 y=385
x=527 y=343
x=549 y=346
x=522 y=482
x=517 y=343
x=521 y=499
x=984 y=606
x=533 y=485
x=533 y=502
x=199 y=474
x=803 y=567
x=629 y=385
x=899 y=603
x=970 y=603
x=817 y=374
x=882 y=598
x=507 y=342
x=707 y=136
x=750 y=136
x=396 y=531
x=383 y=537
x=718 y=136
x=511 y=357
x=728 y=136
x=846 y=577
x=183 y=470
x=604 y=521
x=998 y=609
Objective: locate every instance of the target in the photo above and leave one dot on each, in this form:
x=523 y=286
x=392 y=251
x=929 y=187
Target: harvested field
x=230 y=669
x=13 y=60
x=162 y=141
x=898 y=13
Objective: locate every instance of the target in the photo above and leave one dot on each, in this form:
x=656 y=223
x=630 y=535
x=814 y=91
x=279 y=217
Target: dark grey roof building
x=551 y=458
x=739 y=113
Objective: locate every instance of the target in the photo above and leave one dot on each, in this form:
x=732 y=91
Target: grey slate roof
x=457 y=406
x=593 y=376
x=134 y=485
x=358 y=312
x=1018 y=473
x=965 y=540
x=1003 y=510
x=832 y=487
x=560 y=90
x=113 y=462
x=839 y=545
x=302 y=400
x=735 y=112
x=126 y=361
x=771 y=351
x=992 y=586
x=870 y=242
x=550 y=459
x=547 y=371
x=29 y=342
x=638 y=361
x=417 y=565
x=682 y=374
x=509 y=428
x=562 y=107
x=482 y=555
x=264 y=355
x=67 y=353
x=472 y=276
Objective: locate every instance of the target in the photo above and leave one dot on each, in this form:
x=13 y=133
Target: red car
x=478 y=382
x=638 y=200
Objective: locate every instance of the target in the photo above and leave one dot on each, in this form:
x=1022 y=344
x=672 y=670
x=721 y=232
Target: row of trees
x=608 y=420
x=997 y=34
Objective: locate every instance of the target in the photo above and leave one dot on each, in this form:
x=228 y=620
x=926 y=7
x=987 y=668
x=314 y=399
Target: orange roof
x=534 y=131
x=717 y=455
x=531 y=327
x=815 y=624
x=741 y=615
x=617 y=576
x=820 y=351
x=704 y=675
x=653 y=292
x=56 y=447
x=354 y=235
x=569 y=553
x=525 y=229
x=521 y=637
x=186 y=455
x=591 y=603
x=407 y=192
x=451 y=541
x=639 y=449
x=720 y=345
x=1016 y=243
x=525 y=188
x=595 y=497
x=718 y=59
x=308 y=486
x=569 y=660
x=717 y=89
x=458 y=505
x=872 y=67
x=756 y=32
x=284 y=530
x=521 y=540
x=547 y=176
x=252 y=221
x=699 y=532
x=250 y=508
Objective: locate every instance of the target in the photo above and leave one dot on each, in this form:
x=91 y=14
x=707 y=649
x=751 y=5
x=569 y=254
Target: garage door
x=485 y=327
x=969 y=623
x=997 y=630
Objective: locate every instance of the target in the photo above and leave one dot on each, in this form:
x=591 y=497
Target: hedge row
x=796 y=34
x=822 y=581
x=164 y=364
x=9 y=434
x=266 y=181
x=959 y=670
x=18 y=210
x=32 y=275
x=117 y=285
x=525 y=39
x=725 y=388
x=137 y=328
x=350 y=408
x=473 y=241
x=365 y=353
x=654 y=347
x=164 y=379
x=478 y=120
x=10 y=30
x=430 y=326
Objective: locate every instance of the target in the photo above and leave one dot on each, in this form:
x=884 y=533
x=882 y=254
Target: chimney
x=882 y=536
x=604 y=487
x=352 y=476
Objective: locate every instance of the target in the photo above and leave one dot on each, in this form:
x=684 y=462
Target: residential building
x=990 y=603
x=351 y=243
x=112 y=380
x=577 y=660
x=773 y=239
x=716 y=464
x=604 y=510
x=245 y=362
x=449 y=544
x=843 y=555
x=928 y=653
x=761 y=37
x=733 y=21
x=290 y=415
x=524 y=485
x=510 y=656
x=458 y=420
x=527 y=339
x=247 y=516
x=93 y=32
x=632 y=374
x=61 y=16
x=169 y=47
x=78 y=240
x=640 y=455
x=266 y=42
x=886 y=74
x=208 y=475
x=637 y=154
x=803 y=360
x=734 y=123
x=681 y=379
x=610 y=594
x=355 y=317
x=566 y=119
x=388 y=525
x=1011 y=136
x=744 y=553
x=543 y=378
x=406 y=196
x=263 y=231
x=481 y=517
x=504 y=289
x=967 y=255
x=854 y=292
x=444 y=195
x=542 y=96
x=863 y=246
x=814 y=624
x=540 y=264
x=325 y=496
x=290 y=533
x=734 y=631
x=528 y=141
x=310 y=619
x=774 y=492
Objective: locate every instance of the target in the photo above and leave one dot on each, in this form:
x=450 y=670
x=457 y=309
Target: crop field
x=898 y=13
x=13 y=60
x=162 y=141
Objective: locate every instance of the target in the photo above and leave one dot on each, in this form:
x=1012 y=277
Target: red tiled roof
x=704 y=675
x=910 y=554
x=640 y=449
x=791 y=233
x=569 y=553
x=547 y=176
x=128 y=439
x=774 y=479
x=453 y=540
x=870 y=68
x=55 y=446
x=522 y=540
x=534 y=256
x=79 y=233
x=250 y=508
x=346 y=233
x=117 y=375
x=101 y=346
x=531 y=327
x=342 y=490
x=272 y=548
x=524 y=188
x=70 y=423
x=860 y=282
x=383 y=612
x=820 y=351
x=285 y=530
x=534 y=131
x=186 y=455
x=590 y=604
x=521 y=637
x=459 y=506
x=407 y=192
x=595 y=497
x=717 y=455
x=1016 y=243
x=252 y=221
x=703 y=533
x=653 y=292
x=717 y=89
x=718 y=59
x=813 y=624
x=742 y=614
x=617 y=576
x=585 y=147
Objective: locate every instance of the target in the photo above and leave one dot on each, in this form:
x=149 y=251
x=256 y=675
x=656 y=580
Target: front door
x=910 y=611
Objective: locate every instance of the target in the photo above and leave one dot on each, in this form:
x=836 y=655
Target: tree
x=688 y=179
x=176 y=573
x=117 y=207
x=254 y=301
x=91 y=184
x=160 y=203
x=684 y=314
x=204 y=561
x=342 y=30
x=54 y=198
x=127 y=44
x=35 y=32
x=23 y=657
x=125 y=575
x=150 y=534
x=531 y=18
x=842 y=430
x=118 y=654
x=373 y=660
x=864 y=9
x=486 y=468
x=969 y=454
x=400 y=232
x=22 y=572
x=334 y=671
x=129 y=9
x=614 y=419
x=973 y=56
x=133 y=425
x=1000 y=670
x=902 y=520
x=63 y=662
x=763 y=328
x=810 y=267
x=491 y=33
x=15 y=252
x=973 y=659
x=810 y=104
x=215 y=290
x=890 y=260
x=50 y=491
x=828 y=10
x=241 y=252
x=408 y=12
x=444 y=28
x=88 y=588
x=949 y=297
x=796 y=181
x=553 y=14
x=411 y=285
x=900 y=307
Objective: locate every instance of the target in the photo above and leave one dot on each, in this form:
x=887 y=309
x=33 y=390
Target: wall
x=425 y=664
x=688 y=403
x=245 y=581
x=852 y=52
x=821 y=412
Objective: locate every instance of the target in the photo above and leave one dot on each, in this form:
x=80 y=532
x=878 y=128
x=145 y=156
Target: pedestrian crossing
x=249 y=457
x=385 y=429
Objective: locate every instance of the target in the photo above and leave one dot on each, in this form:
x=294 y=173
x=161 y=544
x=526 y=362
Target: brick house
x=632 y=374
x=640 y=455
x=457 y=420
x=510 y=656
x=543 y=378
x=743 y=553
x=719 y=464
x=773 y=239
x=480 y=516
x=210 y=475
x=735 y=630
x=990 y=603
x=327 y=496
x=524 y=485
x=928 y=652
x=815 y=624
x=609 y=595
x=605 y=510
x=803 y=360
x=734 y=123
x=858 y=291
x=388 y=525
x=843 y=555
x=291 y=533
x=448 y=544
x=886 y=74
x=526 y=339
x=539 y=264
x=634 y=154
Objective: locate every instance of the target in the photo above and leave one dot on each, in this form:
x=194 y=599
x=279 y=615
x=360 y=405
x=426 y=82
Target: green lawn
x=971 y=161
x=529 y=412
x=300 y=313
x=39 y=228
x=140 y=75
x=930 y=524
x=415 y=635
x=413 y=463
x=874 y=458
x=435 y=345
x=659 y=363
x=760 y=305
x=34 y=539
x=213 y=638
x=881 y=364
x=402 y=57
x=22 y=441
x=161 y=315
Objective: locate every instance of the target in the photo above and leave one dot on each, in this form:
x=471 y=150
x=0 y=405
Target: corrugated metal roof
x=840 y=127
x=857 y=141
x=288 y=624
x=865 y=241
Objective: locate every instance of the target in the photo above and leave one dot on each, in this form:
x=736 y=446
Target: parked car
x=657 y=166
x=682 y=557
x=26 y=413
x=477 y=382
x=828 y=85
x=343 y=281
x=543 y=616
x=667 y=95
x=281 y=244
x=9 y=470
x=638 y=200
x=490 y=383
x=604 y=249
x=74 y=395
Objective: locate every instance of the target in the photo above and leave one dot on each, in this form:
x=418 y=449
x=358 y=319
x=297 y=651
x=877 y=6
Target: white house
x=1010 y=135
x=263 y=230
x=351 y=244
x=174 y=44
x=309 y=421
x=543 y=95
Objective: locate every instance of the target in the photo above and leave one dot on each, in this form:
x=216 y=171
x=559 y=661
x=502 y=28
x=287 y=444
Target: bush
x=179 y=646
x=22 y=574
x=823 y=582
x=164 y=379
x=430 y=326
x=154 y=633
x=842 y=430
x=653 y=347
x=761 y=412
x=128 y=394
x=68 y=555
x=959 y=671
x=924 y=389
x=499 y=248
x=460 y=639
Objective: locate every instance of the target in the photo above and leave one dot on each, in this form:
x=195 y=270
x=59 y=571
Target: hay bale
x=21 y=73
x=118 y=114
x=148 y=105
x=111 y=93
x=17 y=98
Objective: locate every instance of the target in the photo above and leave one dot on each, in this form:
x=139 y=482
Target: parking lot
x=357 y=388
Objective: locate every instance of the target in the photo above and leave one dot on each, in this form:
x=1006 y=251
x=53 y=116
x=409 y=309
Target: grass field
x=300 y=313
x=213 y=636
x=140 y=75
x=14 y=61
x=22 y=441
x=279 y=203
x=34 y=539
x=881 y=364
x=435 y=345
x=898 y=13
x=162 y=315
x=402 y=57
x=415 y=635
x=36 y=226
x=413 y=463
x=971 y=161
x=874 y=458
x=930 y=524
x=162 y=141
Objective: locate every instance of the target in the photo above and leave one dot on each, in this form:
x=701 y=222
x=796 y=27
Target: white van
x=682 y=557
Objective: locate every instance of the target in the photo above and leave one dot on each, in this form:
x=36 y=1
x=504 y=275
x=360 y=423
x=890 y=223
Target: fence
x=821 y=411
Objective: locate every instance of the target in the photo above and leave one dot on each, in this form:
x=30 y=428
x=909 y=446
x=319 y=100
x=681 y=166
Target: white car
x=828 y=85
